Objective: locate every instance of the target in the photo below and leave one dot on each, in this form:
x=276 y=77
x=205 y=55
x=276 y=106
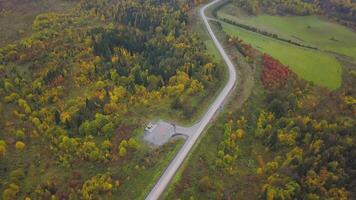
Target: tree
x=277 y=107
x=108 y=129
x=2 y=148
x=20 y=145
x=106 y=145
x=96 y=187
x=17 y=174
x=90 y=151
x=20 y=134
x=10 y=192
x=133 y=144
x=117 y=94
x=57 y=117
x=122 y=151
x=280 y=187
x=274 y=73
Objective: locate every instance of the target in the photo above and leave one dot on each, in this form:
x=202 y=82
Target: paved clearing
x=161 y=132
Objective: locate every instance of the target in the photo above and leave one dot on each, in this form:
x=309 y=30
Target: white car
x=150 y=127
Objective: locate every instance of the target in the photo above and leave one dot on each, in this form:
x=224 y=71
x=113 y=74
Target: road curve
x=172 y=168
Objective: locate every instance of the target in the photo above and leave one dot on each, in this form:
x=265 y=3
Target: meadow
x=311 y=30
x=317 y=67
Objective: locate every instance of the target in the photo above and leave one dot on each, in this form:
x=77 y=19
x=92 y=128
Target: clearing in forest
x=320 y=68
x=309 y=30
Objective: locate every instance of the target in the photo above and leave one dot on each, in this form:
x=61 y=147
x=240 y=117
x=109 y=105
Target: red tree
x=274 y=74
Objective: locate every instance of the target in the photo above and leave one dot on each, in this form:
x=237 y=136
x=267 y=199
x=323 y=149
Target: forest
x=77 y=91
x=78 y=88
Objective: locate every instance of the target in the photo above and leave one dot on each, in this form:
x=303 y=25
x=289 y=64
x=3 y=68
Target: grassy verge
x=207 y=144
x=142 y=180
x=201 y=161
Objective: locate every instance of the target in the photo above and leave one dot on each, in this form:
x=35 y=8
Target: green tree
x=133 y=144
x=122 y=151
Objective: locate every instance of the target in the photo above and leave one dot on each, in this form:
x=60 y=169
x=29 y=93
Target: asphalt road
x=172 y=168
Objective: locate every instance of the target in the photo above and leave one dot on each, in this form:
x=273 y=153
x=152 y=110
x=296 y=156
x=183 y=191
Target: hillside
x=84 y=83
x=79 y=89
x=290 y=140
x=294 y=137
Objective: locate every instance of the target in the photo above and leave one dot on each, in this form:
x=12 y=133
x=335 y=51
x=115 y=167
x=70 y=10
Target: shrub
x=205 y=184
x=20 y=145
x=274 y=74
x=17 y=175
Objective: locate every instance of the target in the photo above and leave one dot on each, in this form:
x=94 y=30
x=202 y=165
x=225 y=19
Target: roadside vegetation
x=79 y=88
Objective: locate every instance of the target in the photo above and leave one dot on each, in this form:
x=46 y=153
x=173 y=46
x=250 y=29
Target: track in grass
x=320 y=68
x=310 y=30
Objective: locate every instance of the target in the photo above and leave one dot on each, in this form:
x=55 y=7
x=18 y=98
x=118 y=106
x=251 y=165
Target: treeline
x=344 y=11
x=280 y=7
x=266 y=33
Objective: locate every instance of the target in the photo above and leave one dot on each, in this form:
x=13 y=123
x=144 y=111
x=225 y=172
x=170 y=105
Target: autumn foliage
x=274 y=74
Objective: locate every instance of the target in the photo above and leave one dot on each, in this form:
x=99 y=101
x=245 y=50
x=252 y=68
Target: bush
x=2 y=148
x=11 y=192
x=205 y=184
x=16 y=175
x=20 y=134
x=20 y=145
x=176 y=104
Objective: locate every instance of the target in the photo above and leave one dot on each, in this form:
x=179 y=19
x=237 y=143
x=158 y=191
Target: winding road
x=199 y=127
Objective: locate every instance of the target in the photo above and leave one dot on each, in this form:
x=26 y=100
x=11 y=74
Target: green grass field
x=213 y=50
x=142 y=181
x=322 y=69
x=311 y=30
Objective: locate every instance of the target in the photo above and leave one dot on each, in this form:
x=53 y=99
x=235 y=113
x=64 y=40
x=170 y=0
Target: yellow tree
x=20 y=145
x=2 y=148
